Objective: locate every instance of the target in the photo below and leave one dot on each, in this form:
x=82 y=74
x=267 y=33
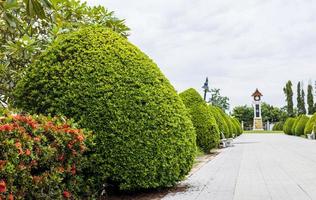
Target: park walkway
x=259 y=166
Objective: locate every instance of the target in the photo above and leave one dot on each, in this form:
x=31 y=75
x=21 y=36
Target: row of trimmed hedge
x=143 y=134
x=209 y=121
x=300 y=125
x=228 y=125
x=278 y=126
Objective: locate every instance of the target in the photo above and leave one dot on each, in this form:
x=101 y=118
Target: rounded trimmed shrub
x=288 y=125
x=207 y=132
x=310 y=124
x=220 y=120
x=41 y=158
x=237 y=126
x=297 y=119
x=300 y=125
x=278 y=126
x=144 y=135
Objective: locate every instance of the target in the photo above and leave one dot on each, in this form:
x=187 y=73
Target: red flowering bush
x=41 y=158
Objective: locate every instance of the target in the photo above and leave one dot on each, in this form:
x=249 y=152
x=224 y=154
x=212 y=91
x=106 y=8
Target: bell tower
x=257 y=119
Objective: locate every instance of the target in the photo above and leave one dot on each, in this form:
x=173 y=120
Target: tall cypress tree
x=289 y=98
x=303 y=101
x=299 y=99
x=310 y=99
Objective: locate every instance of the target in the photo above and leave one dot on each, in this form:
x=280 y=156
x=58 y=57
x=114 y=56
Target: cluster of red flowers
x=30 y=135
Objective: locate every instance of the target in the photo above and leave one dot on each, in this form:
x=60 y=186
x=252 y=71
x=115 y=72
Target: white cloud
x=239 y=45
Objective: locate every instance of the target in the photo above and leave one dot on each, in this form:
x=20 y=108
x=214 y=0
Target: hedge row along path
x=259 y=166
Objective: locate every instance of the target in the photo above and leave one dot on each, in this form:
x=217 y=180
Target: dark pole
x=206 y=88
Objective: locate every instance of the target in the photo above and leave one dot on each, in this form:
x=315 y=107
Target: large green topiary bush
x=300 y=125
x=207 y=132
x=287 y=127
x=310 y=124
x=144 y=135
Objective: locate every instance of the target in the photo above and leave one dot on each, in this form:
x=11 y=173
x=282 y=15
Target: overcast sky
x=240 y=45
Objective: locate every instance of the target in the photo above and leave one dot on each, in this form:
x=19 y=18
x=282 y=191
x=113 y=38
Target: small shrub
x=220 y=120
x=41 y=158
x=278 y=126
x=300 y=125
x=237 y=126
x=310 y=124
x=287 y=127
x=297 y=119
x=207 y=132
x=144 y=135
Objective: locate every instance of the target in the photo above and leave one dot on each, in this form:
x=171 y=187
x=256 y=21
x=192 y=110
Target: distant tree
x=244 y=114
x=310 y=99
x=303 y=101
x=289 y=98
x=272 y=114
x=269 y=113
x=300 y=99
x=218 y=100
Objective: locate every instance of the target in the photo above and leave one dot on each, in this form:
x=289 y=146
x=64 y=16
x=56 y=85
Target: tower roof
x=256 y=93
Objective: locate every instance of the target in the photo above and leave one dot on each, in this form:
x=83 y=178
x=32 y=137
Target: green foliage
x=207 y=132
x=272 y=114
x=278 y=126
x=218 y=100
x=310 y=99
x=310 y=124
x=289 y=98
x=237 y=125
x=288 y=125
x=269 y=113
x=41 y=158
x=295 y=123
x=225 y=122
x=28 y=27
x=244 y=114
x=300 y=124
x=144 y=135
x=300 y=99
x=220 y=120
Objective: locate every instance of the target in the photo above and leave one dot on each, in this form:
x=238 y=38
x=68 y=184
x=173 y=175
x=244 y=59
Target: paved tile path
x=259 y=166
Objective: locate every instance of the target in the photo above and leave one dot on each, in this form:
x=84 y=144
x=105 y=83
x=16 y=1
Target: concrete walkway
x=259 y=166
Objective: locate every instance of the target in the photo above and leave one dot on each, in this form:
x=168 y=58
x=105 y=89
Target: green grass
x=258 y=132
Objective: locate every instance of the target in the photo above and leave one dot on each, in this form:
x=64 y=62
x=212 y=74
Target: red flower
x=80 y=138
x=73 y=169
x=20 y=151
x=27 y=152
x=70 y=145
x=18 y=145
x=61 y=169
x=6 y=127
x=37 y=139
x=61 y=157
x=33 y=163
x=11 y=197
x=66 y=194
x=3 y=186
